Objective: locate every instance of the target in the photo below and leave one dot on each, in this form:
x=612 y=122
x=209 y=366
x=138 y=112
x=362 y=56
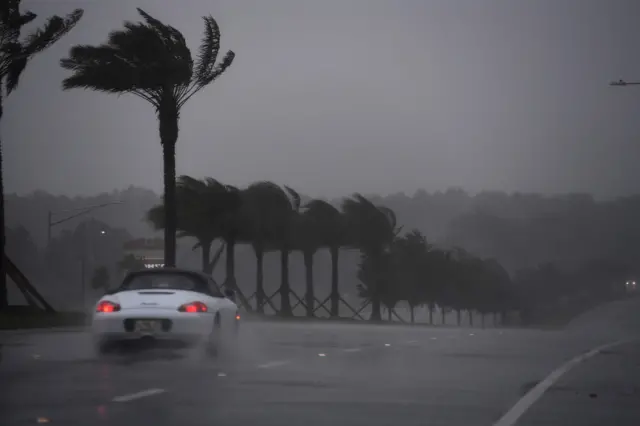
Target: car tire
x=212 y=343
x=102 y=347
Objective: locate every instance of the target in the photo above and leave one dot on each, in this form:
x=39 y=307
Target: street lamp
x=624 y=83
x=78 y=212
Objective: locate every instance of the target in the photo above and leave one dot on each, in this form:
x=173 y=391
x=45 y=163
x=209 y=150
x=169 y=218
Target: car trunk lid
x=156 y=299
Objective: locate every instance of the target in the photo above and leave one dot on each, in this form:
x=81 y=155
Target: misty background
x=367 y=95
x=429 y=104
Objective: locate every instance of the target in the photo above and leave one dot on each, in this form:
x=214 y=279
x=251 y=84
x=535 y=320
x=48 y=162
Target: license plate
x=146 y=326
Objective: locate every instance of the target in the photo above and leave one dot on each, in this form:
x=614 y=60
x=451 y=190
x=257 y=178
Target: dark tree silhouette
x=332 y=232
x=202 y=206
x=152 y=61
x=265 y=211
x=372 y=230
x=308 y=235
x=15 y=53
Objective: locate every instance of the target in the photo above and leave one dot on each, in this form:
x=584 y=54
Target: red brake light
x=193 y=307
x=106 y=307
x=238 y=317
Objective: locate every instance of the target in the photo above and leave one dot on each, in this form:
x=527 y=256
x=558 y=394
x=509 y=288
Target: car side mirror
x=229 y=294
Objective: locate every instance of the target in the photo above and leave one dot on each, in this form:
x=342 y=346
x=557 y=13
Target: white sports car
x=168 y=304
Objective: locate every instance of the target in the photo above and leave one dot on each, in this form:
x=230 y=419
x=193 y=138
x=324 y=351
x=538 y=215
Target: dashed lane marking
x=274 y=364
x=138 y=395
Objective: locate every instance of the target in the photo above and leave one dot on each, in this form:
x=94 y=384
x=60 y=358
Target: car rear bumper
x=172 y=325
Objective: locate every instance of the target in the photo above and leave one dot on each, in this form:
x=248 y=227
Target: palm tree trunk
x=412 y=313
x=431 y=307
x=260 y=296
x=443 y=313
x=459 y=316
x=4 y=297
x=285 y=289
x=168 y=118
x=389 y=314
x=309 y=295
x=335 y=295
x=375 y=292
x=470 y=312
x=376 y=315
x=205 y=253
x=230 y=260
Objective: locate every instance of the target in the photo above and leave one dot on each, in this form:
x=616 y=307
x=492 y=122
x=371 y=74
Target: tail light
x=193 y=307
x=105 y=306
x=238 y=317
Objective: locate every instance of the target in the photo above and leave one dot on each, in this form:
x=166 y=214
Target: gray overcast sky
x=337 y=96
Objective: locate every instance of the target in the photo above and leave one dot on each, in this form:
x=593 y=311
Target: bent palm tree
x=15 y=53
x=269 y=211
x=332 y=231
x=152 y=61
x=308 y=239
x=372 y=230
x=201 y=206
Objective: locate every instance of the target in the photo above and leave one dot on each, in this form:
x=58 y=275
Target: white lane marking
x=512 y=416
x=353 y=350
x=137 y=395
x=387 y=344
x=322 y=355
x=273 y=364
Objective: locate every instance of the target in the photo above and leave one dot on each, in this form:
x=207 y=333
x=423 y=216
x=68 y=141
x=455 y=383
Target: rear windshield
x=166 y=281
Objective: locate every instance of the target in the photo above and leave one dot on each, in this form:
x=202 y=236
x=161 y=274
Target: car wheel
x=102 y=347
x=213 y=340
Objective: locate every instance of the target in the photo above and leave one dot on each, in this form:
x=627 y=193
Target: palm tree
x=332 y=230
x=15 y=53
x=151 y=60
x=201 y=208
x=285 y=242
x=308 y=239
x=412 y=275
x=372 y=230
x=266 y=212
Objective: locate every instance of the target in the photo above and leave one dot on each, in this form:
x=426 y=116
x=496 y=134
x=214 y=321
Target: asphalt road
x=320 y=374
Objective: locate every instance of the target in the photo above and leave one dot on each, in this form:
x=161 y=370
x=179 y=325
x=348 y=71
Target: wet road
x=320 y=374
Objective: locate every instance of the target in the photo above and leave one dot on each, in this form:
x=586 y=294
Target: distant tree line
x=394 y=266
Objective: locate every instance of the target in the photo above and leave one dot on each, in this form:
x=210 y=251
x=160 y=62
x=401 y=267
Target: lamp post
x=73 y=214
x=622 y=83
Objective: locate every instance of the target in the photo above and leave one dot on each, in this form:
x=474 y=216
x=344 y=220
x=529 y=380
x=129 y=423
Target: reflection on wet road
x=319 y=374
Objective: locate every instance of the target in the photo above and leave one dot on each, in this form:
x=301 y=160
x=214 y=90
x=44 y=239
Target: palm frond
x=295 y=198
x=14 y=66
x=208 y=52
x=217 y=72
x=53 y=30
